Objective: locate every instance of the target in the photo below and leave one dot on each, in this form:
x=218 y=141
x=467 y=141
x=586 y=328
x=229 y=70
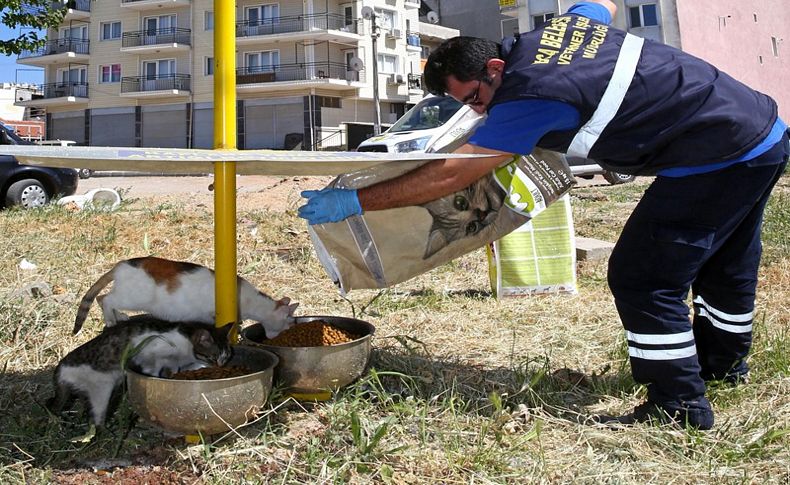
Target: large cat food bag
x=538 y=257
x=381 y=248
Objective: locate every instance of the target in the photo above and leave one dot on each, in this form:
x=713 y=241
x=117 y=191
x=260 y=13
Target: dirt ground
x=254 y=191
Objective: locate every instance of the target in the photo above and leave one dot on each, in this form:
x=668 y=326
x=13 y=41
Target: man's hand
x=329 y=205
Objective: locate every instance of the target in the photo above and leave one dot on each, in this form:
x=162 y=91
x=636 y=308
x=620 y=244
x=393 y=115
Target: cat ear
x=292 y=309
x=201 y=338
x=284 y=301
x=436 y=241
x=225 y=330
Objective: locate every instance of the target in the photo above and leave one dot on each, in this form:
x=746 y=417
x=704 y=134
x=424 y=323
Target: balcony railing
x=297 y=23
x=58 y=46
x=297 y=72
x=63 y=89
x=161 y=82
x=83 y=5
x=172 y=35
x=414 y=81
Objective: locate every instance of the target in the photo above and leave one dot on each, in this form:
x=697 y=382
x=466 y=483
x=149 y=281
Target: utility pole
x=369 y=14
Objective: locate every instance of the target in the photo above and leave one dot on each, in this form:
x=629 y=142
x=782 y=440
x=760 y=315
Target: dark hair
x=463 y=57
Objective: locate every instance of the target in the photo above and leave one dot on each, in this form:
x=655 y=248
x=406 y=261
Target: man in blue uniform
x=717 y=148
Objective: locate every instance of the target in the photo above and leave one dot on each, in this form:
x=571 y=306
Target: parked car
x=30 y=186
x=433 y=116
x=84 y=173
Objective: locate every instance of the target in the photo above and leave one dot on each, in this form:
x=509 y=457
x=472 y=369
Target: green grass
x=461 y=389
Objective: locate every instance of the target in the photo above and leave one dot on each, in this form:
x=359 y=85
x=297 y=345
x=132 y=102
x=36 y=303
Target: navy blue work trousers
x=698 y=233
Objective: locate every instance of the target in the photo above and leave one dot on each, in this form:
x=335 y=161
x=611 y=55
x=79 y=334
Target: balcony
x=153 y=4
x=159 y=86
x=57 y=51
x=325 y=26
x=59 y=94
x=75 y=9
x=161 y=40
x=326 y=75
x=411 y=3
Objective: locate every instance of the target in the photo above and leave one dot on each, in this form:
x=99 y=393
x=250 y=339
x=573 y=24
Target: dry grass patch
x=462 y=388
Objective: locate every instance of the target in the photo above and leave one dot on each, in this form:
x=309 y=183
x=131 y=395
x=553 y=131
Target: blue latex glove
x=329 y=205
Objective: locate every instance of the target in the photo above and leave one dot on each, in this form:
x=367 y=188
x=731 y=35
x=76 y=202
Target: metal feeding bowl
x=205 y=406
x=315 y=369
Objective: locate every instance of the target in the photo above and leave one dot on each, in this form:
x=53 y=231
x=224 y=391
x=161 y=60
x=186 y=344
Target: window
x=208 y=66
x=539 y=20
x=110 y=30
x=110 y=73
x=77 y=75
x=262 y=14
x=426 y=51
x=327 y=102
x=387 y=64
x=162 y=68
x=208 y=20
x=162 y=24
x=644 y=15
x=385 y=19
x=509 y=27
x=74 y=33
x=265 y=61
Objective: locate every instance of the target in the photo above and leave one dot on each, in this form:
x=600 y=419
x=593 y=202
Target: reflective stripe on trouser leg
x=724 y=338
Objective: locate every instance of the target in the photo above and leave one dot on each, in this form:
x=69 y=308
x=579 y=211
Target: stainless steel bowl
x=205 y=406
x=312 y=369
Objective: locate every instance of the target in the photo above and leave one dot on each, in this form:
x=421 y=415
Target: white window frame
x=171 y=62
x=83 y=75
x=273 y=13
x=544 y=17
x=208 y=65
x=386 y=19
x=208 y=20
x=271 y=54
x=382 y=63
x=110 y=24
x=66 y=31
x=110 y=66
x=641 y=8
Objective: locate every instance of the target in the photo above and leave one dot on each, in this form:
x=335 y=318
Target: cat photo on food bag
x=466 y=213
x=177 y=291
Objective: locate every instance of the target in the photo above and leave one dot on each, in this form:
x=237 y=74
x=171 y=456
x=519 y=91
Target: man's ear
x=495 y=67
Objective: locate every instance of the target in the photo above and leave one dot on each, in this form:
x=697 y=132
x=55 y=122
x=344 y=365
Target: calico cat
x=178 y=291
x=462 y=214
x=93 y=370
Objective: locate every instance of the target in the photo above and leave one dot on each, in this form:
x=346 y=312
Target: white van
x=429 y=120
x=420 y=128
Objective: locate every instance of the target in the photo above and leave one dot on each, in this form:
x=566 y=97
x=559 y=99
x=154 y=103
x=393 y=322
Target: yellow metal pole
x=225 y=172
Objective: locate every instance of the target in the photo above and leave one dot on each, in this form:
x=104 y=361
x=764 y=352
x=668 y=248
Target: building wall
x=725 y=33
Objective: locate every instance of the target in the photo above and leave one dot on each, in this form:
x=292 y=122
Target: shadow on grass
x=560 y=392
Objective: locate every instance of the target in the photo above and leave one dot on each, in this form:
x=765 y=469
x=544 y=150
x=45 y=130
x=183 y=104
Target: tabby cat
x=93 y=370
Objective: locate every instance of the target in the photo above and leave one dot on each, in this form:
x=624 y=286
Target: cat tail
x=87 y=300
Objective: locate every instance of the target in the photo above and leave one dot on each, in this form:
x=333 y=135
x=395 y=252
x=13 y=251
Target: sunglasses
x=474 y=97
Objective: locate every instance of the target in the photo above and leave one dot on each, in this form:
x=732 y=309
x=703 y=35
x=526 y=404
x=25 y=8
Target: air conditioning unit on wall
x=395 y=79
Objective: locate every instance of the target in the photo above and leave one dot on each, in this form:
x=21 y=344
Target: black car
x=26 y=185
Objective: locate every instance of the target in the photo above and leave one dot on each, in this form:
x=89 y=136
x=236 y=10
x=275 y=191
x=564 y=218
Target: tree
x=35 y=14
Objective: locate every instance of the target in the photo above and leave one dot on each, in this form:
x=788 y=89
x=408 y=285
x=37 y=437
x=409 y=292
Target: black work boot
x=694 y=414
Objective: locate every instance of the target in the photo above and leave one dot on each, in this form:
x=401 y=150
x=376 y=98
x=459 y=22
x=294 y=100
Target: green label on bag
x=522 y=195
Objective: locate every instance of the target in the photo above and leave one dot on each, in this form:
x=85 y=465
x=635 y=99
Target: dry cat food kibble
x=311 y=334
x=208 y=373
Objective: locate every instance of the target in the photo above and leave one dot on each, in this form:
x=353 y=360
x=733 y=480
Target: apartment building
x=140 y=72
